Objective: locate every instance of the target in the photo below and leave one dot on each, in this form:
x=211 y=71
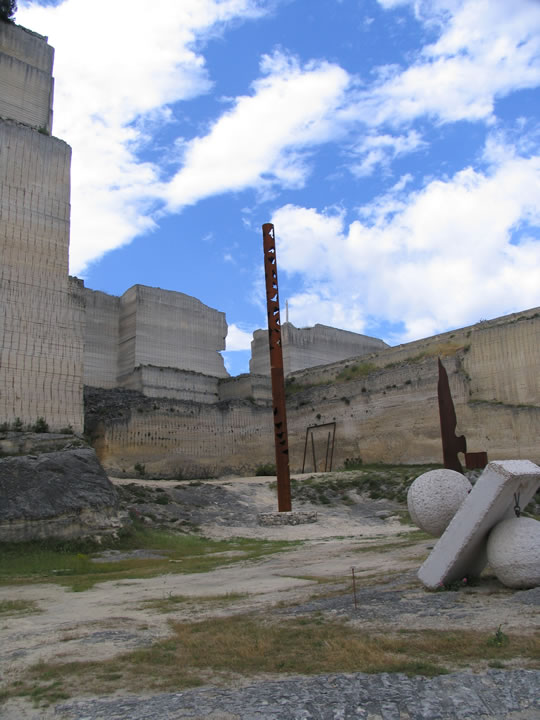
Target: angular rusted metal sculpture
x=451 y=443
x=276 y=370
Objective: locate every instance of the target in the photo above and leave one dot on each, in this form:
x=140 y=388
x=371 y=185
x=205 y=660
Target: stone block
x=462 y=549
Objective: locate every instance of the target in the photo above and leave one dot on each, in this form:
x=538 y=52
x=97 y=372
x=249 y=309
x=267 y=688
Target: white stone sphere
x=513 y=551
x=434 y=498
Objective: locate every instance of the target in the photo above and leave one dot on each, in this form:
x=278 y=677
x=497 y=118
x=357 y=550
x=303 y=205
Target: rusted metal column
x=451 y=443
x=276 y=370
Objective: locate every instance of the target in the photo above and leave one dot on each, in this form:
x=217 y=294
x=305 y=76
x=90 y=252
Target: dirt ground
x=112 y=617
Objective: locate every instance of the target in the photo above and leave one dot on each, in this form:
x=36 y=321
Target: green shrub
x=353 y=463
x=40 y=426
x=8 y=8
x=265 y=470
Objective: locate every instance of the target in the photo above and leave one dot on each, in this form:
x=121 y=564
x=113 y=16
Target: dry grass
x=242 y=646
x=18 y=607
x=170 y=602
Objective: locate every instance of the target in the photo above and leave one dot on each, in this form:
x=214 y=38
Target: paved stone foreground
x=493 y=694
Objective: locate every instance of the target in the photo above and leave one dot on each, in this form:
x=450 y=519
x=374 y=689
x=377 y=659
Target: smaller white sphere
x=513 y=551
x=434 y=498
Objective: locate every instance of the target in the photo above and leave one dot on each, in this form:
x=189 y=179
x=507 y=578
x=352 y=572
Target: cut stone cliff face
x=41 y=329
x=154 y=341
x=308 y=347
x=384 y=406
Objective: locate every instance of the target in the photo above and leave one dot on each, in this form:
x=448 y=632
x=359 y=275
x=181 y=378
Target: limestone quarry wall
x=26 y=82
x=42 y=313
x=163 y=343
x=256 y=388
x=159 y=382
x=101 y=338
x=41 y=324
x=306 y=347
x=174 y=438
x=170 y=329
x=384 y=406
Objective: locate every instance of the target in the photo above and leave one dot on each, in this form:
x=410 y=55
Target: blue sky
x=395 y=145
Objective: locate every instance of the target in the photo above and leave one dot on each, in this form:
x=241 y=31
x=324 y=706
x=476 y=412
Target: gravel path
x=494 y=694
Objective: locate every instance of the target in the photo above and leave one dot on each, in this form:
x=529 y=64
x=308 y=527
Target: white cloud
x=113 y=69
x=442 y=257
x=486 y=49
x=375 y=150
x=238 y=339
x=261 y=141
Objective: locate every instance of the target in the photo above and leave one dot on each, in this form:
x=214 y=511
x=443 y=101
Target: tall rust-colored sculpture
x=276 y=370
x=451 y=443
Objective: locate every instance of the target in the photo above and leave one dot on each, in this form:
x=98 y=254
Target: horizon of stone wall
x=308 y=347
x=385 y=408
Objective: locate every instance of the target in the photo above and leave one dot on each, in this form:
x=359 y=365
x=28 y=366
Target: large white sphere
x=513 y=551
x=434 y=498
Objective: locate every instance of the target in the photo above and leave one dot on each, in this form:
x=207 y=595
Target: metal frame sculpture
x=276 y=370
x=329 y=446
x=451 y=443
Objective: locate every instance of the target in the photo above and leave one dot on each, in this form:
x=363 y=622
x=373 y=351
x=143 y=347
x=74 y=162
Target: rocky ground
x=352 y=532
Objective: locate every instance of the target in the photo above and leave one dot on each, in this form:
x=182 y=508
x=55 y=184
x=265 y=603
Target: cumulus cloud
x=376 y=150
x=485 y=49
x=262 y=140
x=111 y=75
x=444 y=256
x=238 y=339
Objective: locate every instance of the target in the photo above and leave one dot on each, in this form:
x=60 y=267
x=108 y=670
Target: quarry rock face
x=58 y=494
x=41 y=338
x=311 y=346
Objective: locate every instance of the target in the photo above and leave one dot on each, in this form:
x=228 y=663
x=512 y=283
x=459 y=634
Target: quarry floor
x=112 y=617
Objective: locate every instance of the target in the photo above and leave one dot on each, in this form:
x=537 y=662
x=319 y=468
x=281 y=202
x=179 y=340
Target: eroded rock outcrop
x=56 y=494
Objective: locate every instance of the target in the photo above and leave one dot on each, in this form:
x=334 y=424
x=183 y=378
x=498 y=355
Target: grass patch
x=409 y=539
x=249 y=645
x=18 y=607
x=292 y=386
x=171 y=602
x=355 y=372
x=70 y=564
x=445 y=349
x=376 y=481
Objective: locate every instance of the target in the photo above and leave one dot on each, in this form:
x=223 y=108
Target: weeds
x=498 y=639
x=18 y=607
x=354 y=372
